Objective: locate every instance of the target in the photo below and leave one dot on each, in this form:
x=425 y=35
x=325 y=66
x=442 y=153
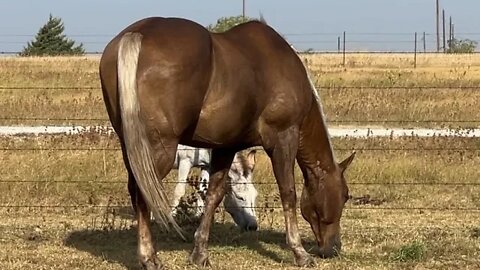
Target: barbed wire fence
x=319 y=42
x=401 y=182
x=352 y=207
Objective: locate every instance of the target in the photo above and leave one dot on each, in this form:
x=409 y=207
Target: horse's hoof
x=154 y=264
x=305 y=261
x=199 y=258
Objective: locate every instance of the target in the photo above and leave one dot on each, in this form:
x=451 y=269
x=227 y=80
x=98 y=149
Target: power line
x=284 y=34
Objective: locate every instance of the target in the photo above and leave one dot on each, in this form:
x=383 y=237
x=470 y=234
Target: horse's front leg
x=282 y=152
x=220 y=164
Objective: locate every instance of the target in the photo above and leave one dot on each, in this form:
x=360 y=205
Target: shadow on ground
x=121 y=245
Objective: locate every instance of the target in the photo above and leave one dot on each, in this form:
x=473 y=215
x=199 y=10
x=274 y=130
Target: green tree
x=51 y=41
x=461 y=46
x=225 y=23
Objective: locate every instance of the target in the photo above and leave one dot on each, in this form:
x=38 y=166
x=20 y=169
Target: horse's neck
x=315 y=149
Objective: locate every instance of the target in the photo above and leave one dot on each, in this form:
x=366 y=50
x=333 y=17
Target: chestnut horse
x=169 y=81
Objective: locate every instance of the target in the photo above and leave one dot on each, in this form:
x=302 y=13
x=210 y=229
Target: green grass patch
x=414 y=251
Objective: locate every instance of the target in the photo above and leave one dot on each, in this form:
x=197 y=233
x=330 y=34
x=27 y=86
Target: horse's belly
x=224 y=128
x=229 y=113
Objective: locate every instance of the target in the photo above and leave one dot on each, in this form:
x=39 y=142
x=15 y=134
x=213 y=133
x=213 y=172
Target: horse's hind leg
x=145 y=249
x=282 y=149
x=220 y=164
x=146 y=252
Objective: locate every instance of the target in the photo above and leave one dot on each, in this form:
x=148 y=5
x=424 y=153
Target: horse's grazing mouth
x=171 y=68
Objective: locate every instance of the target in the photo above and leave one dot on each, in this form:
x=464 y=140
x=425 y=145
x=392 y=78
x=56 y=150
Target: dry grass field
x=370 y=88
x=415 y=201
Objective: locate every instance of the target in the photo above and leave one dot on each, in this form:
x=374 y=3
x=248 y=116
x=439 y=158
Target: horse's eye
x=240 y=197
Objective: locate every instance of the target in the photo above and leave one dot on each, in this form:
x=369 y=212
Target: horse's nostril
x=252 y=227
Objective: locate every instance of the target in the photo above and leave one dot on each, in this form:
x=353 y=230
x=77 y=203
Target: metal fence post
x=344 y=42
x=415 y=52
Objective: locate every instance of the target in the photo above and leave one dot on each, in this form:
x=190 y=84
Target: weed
x=414 y=251
x=475 y=233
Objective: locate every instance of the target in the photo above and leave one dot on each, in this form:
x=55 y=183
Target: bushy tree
x=225 y=23
x=461 y=46
x=51 y=41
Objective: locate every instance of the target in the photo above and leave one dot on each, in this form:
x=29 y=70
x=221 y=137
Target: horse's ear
x=251 y=159
x=344 y=164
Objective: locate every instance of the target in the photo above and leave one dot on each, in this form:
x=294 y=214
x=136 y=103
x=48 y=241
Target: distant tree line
x=51 y=41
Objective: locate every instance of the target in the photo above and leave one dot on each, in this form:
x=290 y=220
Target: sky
x=387 y=25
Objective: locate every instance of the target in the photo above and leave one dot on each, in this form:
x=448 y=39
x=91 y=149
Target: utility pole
x=243 y=9
x=443 y=22
x=453 y=31
x=450 y=29
x=438 y=24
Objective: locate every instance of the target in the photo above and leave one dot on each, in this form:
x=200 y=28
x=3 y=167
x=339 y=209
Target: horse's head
x=241 y=196
x=323 y=198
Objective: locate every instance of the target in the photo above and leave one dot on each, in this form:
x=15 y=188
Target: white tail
x=135 y=138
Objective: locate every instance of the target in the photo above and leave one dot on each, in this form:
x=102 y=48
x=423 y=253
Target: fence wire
x=336 y=149
x=332 y=87
x=400 y=183
x=121 y=206
x=26 y=118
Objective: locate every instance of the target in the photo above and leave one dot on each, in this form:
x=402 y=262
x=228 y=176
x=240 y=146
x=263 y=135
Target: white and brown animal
x=239 y=200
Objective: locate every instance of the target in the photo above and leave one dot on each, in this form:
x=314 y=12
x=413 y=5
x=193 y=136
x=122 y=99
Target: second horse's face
x=241 y=194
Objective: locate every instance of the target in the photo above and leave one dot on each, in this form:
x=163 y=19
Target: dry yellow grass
x=395 y=70
x=56 y=241
x=393 y=60
x=91 y=237
x=103 y=237
x=67 y=172
x=49 y=71
x=445 y=73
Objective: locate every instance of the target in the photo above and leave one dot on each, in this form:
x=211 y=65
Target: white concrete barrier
x=355 y=132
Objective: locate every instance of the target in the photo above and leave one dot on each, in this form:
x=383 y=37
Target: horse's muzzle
x=251 y=226
x=331 y=251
